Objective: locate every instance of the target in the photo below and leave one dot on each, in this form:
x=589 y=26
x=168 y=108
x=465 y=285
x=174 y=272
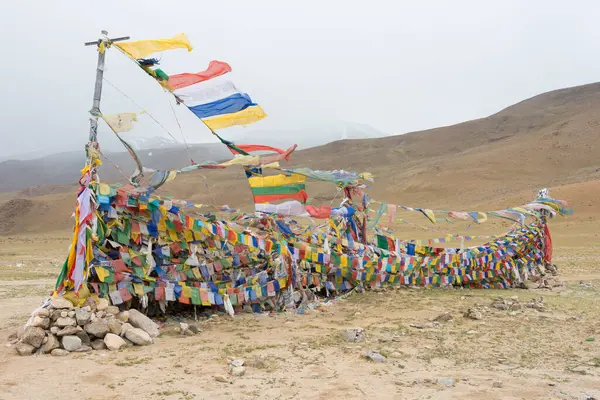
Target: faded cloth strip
x=215 y=68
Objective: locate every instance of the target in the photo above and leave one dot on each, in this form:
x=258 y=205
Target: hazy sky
x=398 y=66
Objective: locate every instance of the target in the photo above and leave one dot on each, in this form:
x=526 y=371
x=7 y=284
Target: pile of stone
x=60 y=328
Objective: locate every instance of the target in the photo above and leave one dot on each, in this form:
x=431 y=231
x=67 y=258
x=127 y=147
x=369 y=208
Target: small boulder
x=82 y=316
x=194 y=329
x=445 y=317
x=100 y=314
x=124 y=328
x=112 y=310
x=473 y=313
x=99 y=344
x=51 y=344
x=44 y=313
x=83 y=349
x=68 y=330
x=55 y=314
x=138 y=336
x=90 y=304
x=102 y=304
x=237 y=371
x=85 y=338
x=71 y=314
x=34 y=336
x=24 y=349
x=375 y=357
x=183 y=328
x=59 y=352
x=123 y=316
x=60 y=303
x=114 y=342
x=65 y=321
x=139 y=320
x=114 y=325
x=97 y=328
x=221 y=378
x=354 y=335
x=71 y=343
x=54 y=330
x=41 y=322
x=64 y=313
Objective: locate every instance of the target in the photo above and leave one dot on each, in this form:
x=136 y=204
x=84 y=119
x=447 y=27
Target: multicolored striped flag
x=215 y=99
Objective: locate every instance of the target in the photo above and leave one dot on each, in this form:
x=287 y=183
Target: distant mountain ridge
x=164 y=153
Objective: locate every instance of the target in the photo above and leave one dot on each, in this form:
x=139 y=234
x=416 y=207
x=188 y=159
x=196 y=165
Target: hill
x=550 y=140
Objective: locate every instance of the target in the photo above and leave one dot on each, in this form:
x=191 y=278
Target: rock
x=100 y=314
x=237 y=371
x=139 y=320
x=85 y=339
x=64 y=314
x=99 y=344
x=25 y=349
x=83 y=316
x=183 y=327
x=83 y=349
x=124 y=328
x=498 y=384
x=138 y=336
x=71 y=343
x=114 y=342
x=221 y=378
x=40 y=322
x=59 y=352
x=445 y=317
x=71 y=314
x=472 y=313
x=44 y=313
x=123 y=316
x=60 y=303
x=65 y=321
x=56 y=314
x=97 y=329
x=448 y=382
x=51 y=344
x=375 y=357
x=471 y=332
x=90 y=304
x=354 y=335
x=102 y=304
x=34 y=336
x=68 y=330
x=129 y=342
x=54 y=330
x=237 y=363
x=112 y=310
x=194 y=329
x=114 y=325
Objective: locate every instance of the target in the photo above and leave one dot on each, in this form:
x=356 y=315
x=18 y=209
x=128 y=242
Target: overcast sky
x=398 y=66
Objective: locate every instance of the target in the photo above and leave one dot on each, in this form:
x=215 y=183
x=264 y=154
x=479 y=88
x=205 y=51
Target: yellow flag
x=275 y=180
x=143 y=48
x=244 y=117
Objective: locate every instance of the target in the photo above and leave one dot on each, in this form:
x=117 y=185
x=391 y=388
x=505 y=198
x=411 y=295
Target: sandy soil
x=526 y=354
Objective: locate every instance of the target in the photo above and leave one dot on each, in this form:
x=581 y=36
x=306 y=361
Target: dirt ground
x=523 y=354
